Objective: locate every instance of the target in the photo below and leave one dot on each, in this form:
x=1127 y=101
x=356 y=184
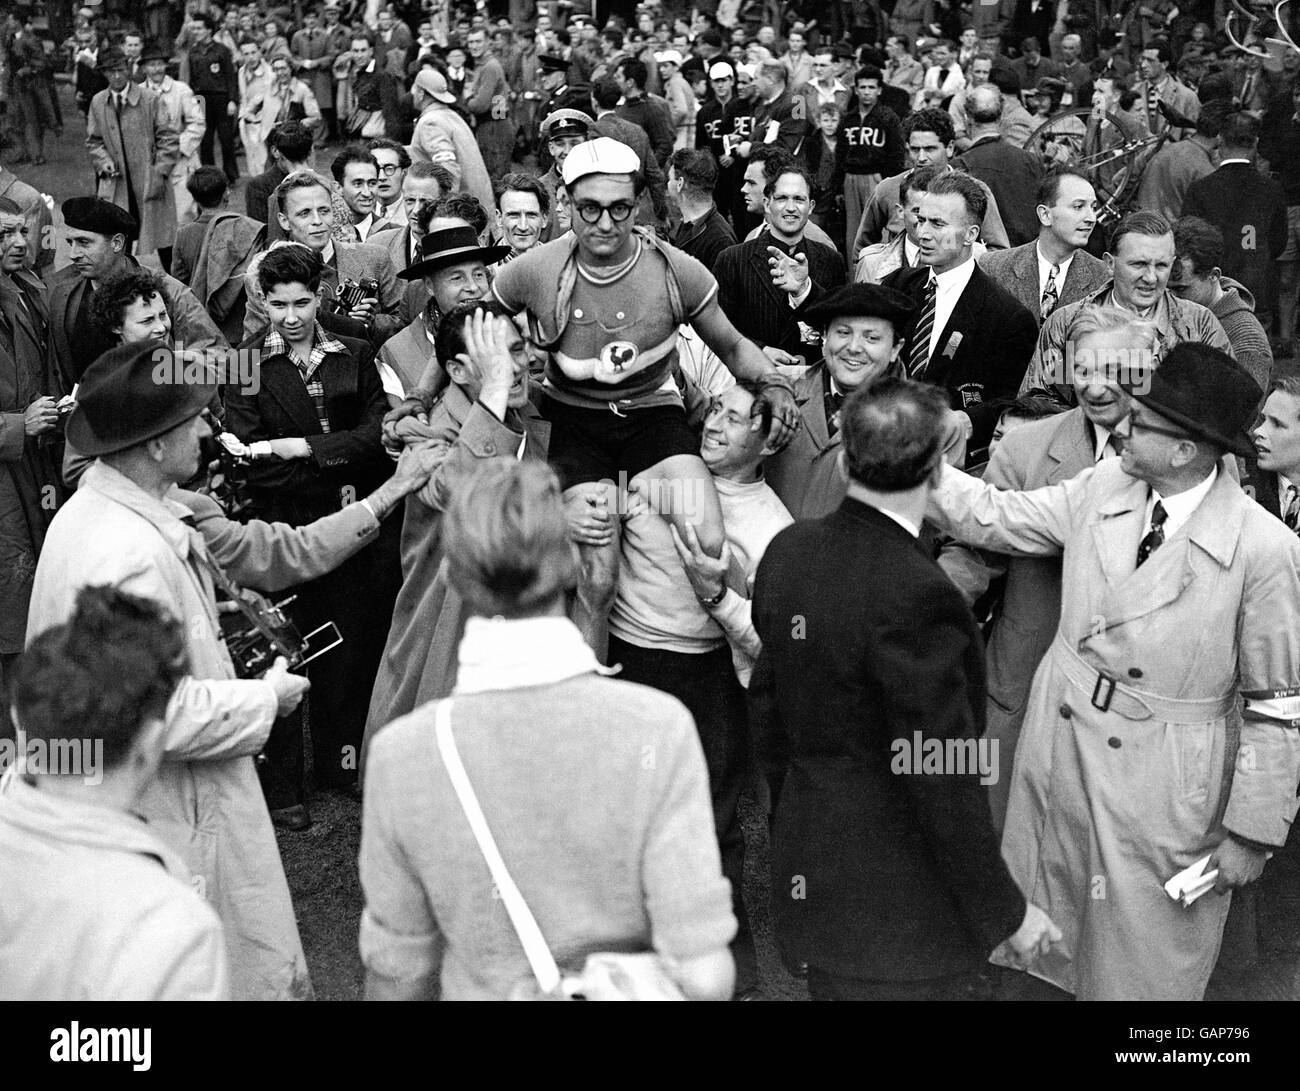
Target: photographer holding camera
x=130 y=526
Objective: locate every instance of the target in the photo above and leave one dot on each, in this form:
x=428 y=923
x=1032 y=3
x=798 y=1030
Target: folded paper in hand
x=1190 y=883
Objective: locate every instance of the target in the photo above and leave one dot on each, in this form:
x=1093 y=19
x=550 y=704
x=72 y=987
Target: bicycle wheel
x=1105 y=149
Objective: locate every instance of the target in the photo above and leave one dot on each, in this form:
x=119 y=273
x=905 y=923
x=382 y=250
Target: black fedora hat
x=133 y=393
x=154 y=52
x=1206 y=393
x=451 y=246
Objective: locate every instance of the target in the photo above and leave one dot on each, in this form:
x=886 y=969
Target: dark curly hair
x=102 y=674
x=118 y=292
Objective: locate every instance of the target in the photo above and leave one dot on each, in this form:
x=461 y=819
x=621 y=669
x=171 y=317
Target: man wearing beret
x=862 y=327
x=135 y=145
x=129 y=525
x=99 y=235
x=1161 y=729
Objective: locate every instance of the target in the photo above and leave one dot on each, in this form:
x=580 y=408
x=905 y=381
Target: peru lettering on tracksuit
x=871 y=144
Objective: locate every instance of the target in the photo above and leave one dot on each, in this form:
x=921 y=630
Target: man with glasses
x=616 y=414
x=393 y=161
x=764 y=281
x=1160 y=728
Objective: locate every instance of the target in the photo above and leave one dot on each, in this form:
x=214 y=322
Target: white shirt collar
x=1179 y=508
x=1225 y=162
x=912 y=528
x=327 y=255
x=1045 y=267
x=948 y=289
x=910 y=252
x=1100 y=437
x=363 y=226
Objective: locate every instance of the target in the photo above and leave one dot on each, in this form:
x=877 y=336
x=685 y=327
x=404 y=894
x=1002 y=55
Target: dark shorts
x=599 y=444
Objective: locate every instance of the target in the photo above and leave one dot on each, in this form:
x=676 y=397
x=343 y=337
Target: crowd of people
x=739 y=407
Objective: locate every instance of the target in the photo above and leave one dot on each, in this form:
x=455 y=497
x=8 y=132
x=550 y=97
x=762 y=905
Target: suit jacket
x=192 y=326
x=260 y=187
x=705 y=238
x=805 y=474
x=349 y=456
x=903 y=876
x=1013 y=176
x=1016 y=270
x=760 y=310
x=989 y=359
x=354 y=261
x=1250 y=210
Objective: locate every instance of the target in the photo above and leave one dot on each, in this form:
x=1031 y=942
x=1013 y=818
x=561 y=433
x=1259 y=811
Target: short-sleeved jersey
x=619 y=342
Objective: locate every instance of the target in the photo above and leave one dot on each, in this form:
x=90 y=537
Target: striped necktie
x=1154 y=117
x=1050 y=293
x=919 y=356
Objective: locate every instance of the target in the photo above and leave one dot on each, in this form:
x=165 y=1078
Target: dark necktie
x=125 y=164
x=1291 y=514
x=919 y=357
x=1153 y=107
x=832 y=402
x=1051 y=294
x=1155 y=537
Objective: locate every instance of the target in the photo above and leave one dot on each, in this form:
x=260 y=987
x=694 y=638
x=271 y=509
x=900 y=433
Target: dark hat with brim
x=110 y=58
x=451 y=246
x=154 y=53
x=135 y=393
x=1205 y=392
x=550 y=63
x=100 y=216
x=863 y=301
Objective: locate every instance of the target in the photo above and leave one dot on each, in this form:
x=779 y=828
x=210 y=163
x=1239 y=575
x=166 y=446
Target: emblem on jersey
x=617 y=359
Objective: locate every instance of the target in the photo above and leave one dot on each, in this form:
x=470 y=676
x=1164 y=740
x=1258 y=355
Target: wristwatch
x=710 y=603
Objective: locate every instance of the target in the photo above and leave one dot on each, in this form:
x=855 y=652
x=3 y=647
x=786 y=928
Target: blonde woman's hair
x=506 y=540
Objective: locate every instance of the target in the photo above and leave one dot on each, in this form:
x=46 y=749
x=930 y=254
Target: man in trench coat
x=206 y=802
x=1136 y=759
x=419 y=662
x=134 y=146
